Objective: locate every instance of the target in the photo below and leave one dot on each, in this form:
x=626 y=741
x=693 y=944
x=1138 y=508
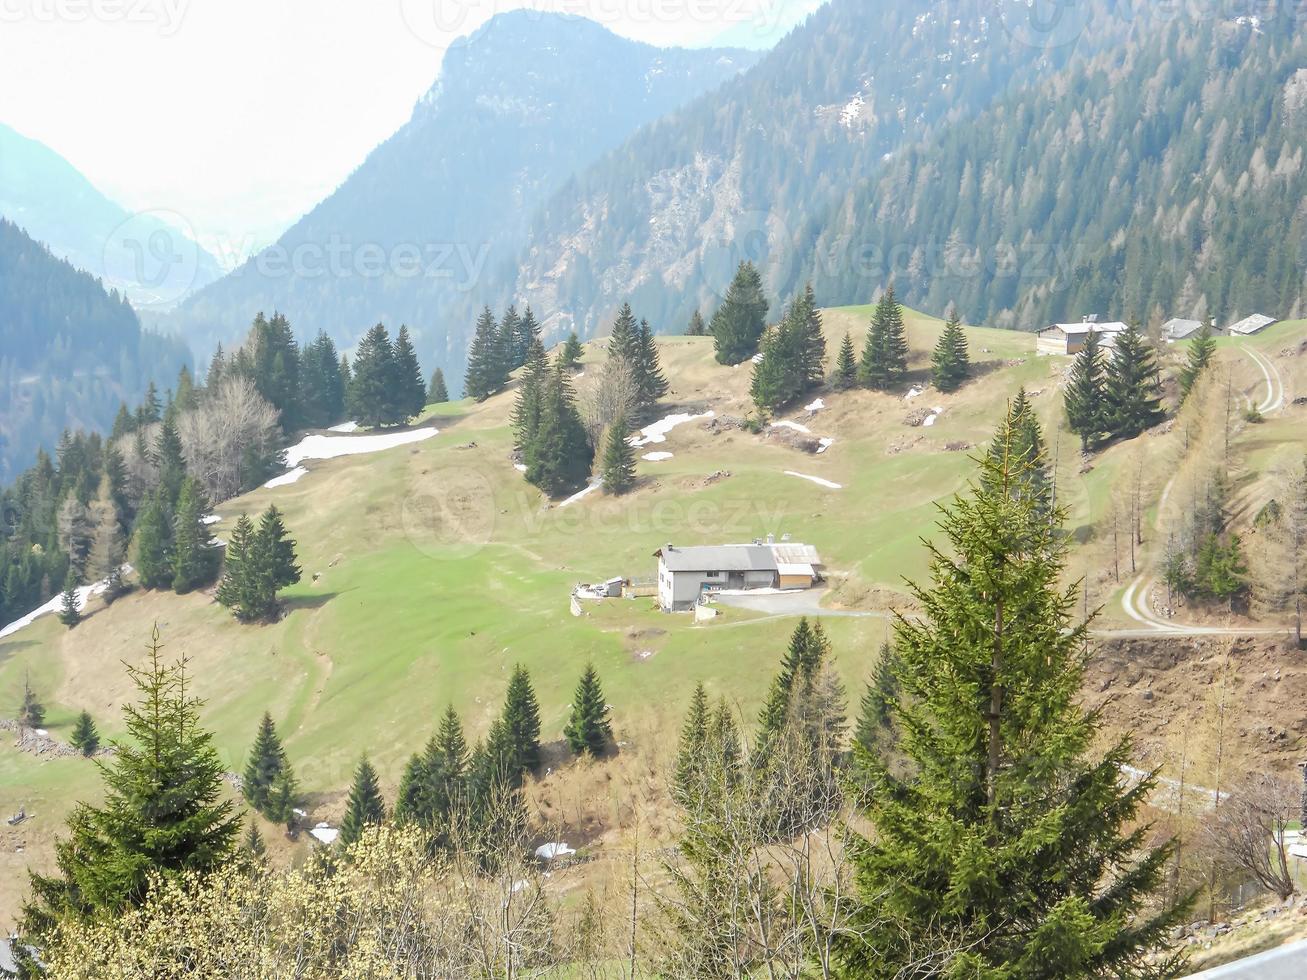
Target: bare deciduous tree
x=232 y=421
x=610 y=396
x=1247 y=834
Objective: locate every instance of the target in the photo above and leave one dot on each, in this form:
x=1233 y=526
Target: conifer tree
x=281 y=801
x=650 y=382
x=272 y=561
x=950 y=364
x=875 y=710
x=485 y=369
x=236 y=576
x=528 y=330
x=572 y=351
x=846 y=366
x=437 y=393
x=85 y=738
x=410 y=798
x=322 y=388
x=446 y=764
x=1086 y=394
x=687 y=783
x=153 y=540
x=193 y=561
x=172 y=464
x=813 y=347
x=1019 y=433
x=124 y=423
x=1046 y=871
x=509 y=337
x=525 y=419
x=149 y=411
x=697 y=327
x=724 y=747
x=365 y=807
x=253 y=844
x=885 y=353
x=373 y=397
x=69 y=613
x=739 y=322
x=31 y=712
x=559 y=457
x=618 y=466
x=266 y=763
x=588 y=729
x=163 y=814
x=804 y=657
x=1134 y=389
x=275 y=367
x=410 y=394
x=185 y=399
x=623 y=339
x=521 y=721
x=1201 y=350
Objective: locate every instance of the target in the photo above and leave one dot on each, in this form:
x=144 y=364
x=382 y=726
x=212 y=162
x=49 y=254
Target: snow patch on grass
x=824 y=443
x=56 y=604
x=657 y=431
x=583 y=493
x=816 y=479
x=787 y=424
x=656 y=457
x=934 y=414
x=286 y=479
x=345 y=427
x=816 y=406
x=329 y=447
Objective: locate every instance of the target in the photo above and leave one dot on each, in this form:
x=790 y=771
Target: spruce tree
x=1019 y=433
x=588 y=729
x=85 y=738
x=528 y=331
x=885 y=353
x=1134 y=389
x=650 y=382
x=69 y=612
x=193 y=561
x=410 y=798
x=1201 y=350
x=525 y=420
x=149 y=410
x=172 y=464
x=1005 y=848
x=623 y=339
x=812 y=371
x=124 y=423
x=688 y=781
x=164 y=812
x=410 y=395
x=697 y=327
x=738 y=324
x=253 y=844
x=373 y=396
x=447 y=765
x=437 y=393
x=509 y=337
x=521 y=721
x=846 y=366
x=1086 y=394
x=485 y=369
x=804 y=657
x=950 y=364
x=572 y=351
x=267 y=761
x=322 y=389
x=271 y=562
x=875 y=716
x=618 y=465
x=558 y=457
x=281 y=800
x=237 y=575
x=31 y=712
x=365 y=808
x=275 y=367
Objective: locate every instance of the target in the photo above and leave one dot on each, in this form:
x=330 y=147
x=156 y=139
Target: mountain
x=147 y=255
x=429 y=226
x=69 y=351
x=752 y=171
x=1164 y=177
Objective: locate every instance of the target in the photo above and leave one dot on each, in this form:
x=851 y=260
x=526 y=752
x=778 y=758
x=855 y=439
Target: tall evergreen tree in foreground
x=1086 y=394
x=372 y=397
x=365 y=808
x=163 y=813
x=885 y=353
x=410 y=395
x=618 y=463
x=194 y=563
x=738 y=324
x=521 y=721
x=1019 y=435
x=485 y=366
x=258 y=563
x=1007 y=849
x=1201 y=350
x=588 y=729
x=558 y=455
x=1134 y=389
x=687 y=783
x=85 y=737
x=153 y=544
x=950 y=364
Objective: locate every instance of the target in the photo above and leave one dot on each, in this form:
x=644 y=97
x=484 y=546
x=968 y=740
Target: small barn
x=1178 y=329
x=687 y=574
x=1250 y=325
x=1069 y=338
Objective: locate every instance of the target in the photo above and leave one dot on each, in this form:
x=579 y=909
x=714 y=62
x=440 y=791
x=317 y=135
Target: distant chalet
x=687 y=575
x=1250 y=325
x=1178 y=329
x=1070 y=338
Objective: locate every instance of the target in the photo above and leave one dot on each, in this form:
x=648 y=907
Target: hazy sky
x=239 y=115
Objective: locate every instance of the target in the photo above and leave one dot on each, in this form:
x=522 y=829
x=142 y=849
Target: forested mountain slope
x=69 y=351
x=150 y=261
x=750 y=171
x=429 y=227
x=1164 y=178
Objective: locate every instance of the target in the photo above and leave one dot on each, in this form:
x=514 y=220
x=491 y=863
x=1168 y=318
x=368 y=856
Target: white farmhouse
x=687 y=575
x=1250 y=325
x=1069 y=338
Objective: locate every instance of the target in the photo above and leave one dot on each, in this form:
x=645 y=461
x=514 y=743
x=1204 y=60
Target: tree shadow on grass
x=316 y=601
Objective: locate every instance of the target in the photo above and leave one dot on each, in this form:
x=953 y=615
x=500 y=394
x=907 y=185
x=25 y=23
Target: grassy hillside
x=431 y=569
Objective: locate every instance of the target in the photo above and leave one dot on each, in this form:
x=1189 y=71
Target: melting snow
x=913 y=392
x=657 y=431
x=286 y=479
x=816 y=406
x=345 y=427
x=56 y=605
x=329 y=447
x=824 y=443
x=816 y=479
x=583 y=493
x=785 y=423
x=210 y=519
x=549 y=852
x=656 y=457
x=325 y=833
x=934 y=414
x=520 y=467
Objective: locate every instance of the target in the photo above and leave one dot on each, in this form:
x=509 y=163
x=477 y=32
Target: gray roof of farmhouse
x=1179 y=328
x=719 y=558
